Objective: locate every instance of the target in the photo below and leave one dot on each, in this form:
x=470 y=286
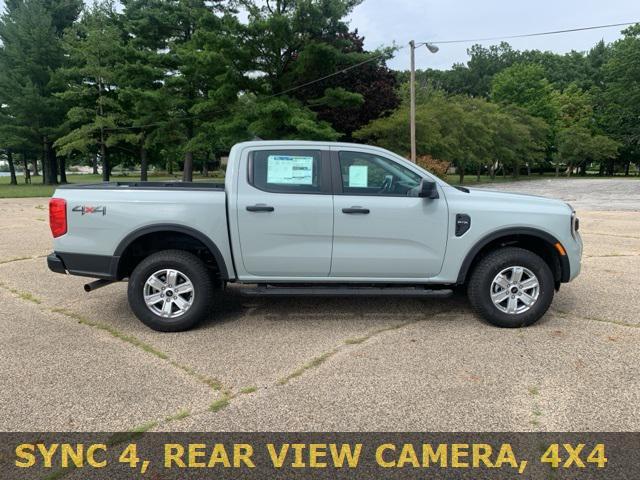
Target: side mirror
x=428 y=189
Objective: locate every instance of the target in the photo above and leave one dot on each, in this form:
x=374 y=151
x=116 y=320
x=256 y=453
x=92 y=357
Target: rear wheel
x=511 y=287
x=170 y=291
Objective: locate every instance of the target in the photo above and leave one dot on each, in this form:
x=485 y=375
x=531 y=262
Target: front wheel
x=511 y=288
x=170 y=291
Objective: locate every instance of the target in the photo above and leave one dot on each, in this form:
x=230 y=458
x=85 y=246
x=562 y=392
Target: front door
x=285 y=213
x=381 y=228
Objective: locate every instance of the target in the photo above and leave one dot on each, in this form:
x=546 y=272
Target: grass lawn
x=37 y=189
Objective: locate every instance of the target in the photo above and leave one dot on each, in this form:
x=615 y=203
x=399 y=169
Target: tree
x=294 y=43
x=203 y=82
x=525 y=85
x=621 y=96
x=147 y=27
x=578 y=139
x=96 y=119
x=31 y=55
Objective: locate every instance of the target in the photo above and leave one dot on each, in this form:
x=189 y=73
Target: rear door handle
x=260 y=208
x=352 y=210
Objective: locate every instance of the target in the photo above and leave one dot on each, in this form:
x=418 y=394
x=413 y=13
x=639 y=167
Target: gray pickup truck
x=315 y=218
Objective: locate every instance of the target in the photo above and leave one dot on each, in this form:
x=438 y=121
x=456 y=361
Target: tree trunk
x=94 y=163
x=53 y=159
x=169 y=166
x=49 y=163
x=528 y=169
x=461 y=174
x=12 y=168
x=27 y=172
x=557 y=169
x=205 y=165
x=143 y=164
x=36 y=173
x=63 y=169
x=44 y=164
x=626 y=168
x=187 y=170
x=478 y=172
x=105 y=159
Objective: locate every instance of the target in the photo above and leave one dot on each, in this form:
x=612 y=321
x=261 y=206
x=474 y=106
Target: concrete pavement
x=77 y=361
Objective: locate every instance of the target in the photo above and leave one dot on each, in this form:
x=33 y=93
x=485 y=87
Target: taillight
x=58 y=216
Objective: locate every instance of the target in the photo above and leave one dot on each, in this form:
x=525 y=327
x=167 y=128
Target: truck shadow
x=233 y=305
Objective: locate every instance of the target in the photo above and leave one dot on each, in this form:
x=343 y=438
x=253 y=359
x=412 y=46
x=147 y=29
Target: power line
x=524 y=35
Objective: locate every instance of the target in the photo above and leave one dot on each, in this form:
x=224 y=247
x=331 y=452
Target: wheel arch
x=538 y=241
x=150 y=231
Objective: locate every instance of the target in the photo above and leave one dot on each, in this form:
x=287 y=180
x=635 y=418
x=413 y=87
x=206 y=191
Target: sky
x=382 y=22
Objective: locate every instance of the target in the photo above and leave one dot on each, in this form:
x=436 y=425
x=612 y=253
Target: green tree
x=525 y=85
x=578 y=139
x=292 y=44
x=621 y=96
x=97 y=119
x=148 y=27
x=203 y=80
x=30 y=57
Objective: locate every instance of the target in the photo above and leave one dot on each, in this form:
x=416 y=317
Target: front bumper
x=55 y=263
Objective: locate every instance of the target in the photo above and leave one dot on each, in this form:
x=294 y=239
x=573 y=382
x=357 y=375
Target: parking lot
x=82 y=362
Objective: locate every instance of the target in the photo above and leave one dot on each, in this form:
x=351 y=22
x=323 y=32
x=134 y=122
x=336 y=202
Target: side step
x=275 y=291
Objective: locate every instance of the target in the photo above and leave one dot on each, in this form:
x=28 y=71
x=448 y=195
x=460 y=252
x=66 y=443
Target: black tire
x=480 y=284
x=189 y=265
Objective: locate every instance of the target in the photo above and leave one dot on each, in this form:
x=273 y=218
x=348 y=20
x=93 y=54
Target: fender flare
x=170 y=227
x=550 y=240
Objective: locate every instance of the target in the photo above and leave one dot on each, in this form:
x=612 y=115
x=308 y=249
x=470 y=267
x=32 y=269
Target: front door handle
x=260 y=208
x=352 y=210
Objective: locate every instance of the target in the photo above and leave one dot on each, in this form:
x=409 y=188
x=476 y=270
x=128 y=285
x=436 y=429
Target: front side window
x=369 y=174
x=286 y=171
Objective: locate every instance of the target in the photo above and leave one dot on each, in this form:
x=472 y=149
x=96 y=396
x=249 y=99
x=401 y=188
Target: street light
x=433 y=49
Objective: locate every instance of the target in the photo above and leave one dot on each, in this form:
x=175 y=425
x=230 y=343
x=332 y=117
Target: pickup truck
x=315 y=218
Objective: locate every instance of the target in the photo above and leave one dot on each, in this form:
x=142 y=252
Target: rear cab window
x=289 y=171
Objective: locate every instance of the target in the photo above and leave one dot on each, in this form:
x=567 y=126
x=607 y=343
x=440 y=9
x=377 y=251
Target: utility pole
x=412 y=87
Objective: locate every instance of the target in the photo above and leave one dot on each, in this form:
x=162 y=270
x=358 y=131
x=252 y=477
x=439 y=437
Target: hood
x=507 y=198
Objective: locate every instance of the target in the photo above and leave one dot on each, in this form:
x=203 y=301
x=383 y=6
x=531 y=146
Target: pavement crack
x=19 y=259
x=21 y=294
x=323 y=357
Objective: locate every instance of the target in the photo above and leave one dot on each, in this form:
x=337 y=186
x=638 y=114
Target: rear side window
x=286 y=171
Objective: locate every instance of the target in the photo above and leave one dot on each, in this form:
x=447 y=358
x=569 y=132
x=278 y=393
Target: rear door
x=285 y=212
x=381 y=228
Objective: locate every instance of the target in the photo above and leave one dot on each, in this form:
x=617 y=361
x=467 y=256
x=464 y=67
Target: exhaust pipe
x=90 y=287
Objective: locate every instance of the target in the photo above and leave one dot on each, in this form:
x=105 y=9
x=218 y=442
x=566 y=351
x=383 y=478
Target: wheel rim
x=168 y=293
x=515 y=290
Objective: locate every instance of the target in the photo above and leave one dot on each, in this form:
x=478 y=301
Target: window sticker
x=358 y=176
x=289 y=170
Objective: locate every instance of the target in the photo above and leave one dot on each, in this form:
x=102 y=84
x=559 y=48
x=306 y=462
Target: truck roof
x=310 y=143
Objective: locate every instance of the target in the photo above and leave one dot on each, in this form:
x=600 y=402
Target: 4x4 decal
x=86 y=210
